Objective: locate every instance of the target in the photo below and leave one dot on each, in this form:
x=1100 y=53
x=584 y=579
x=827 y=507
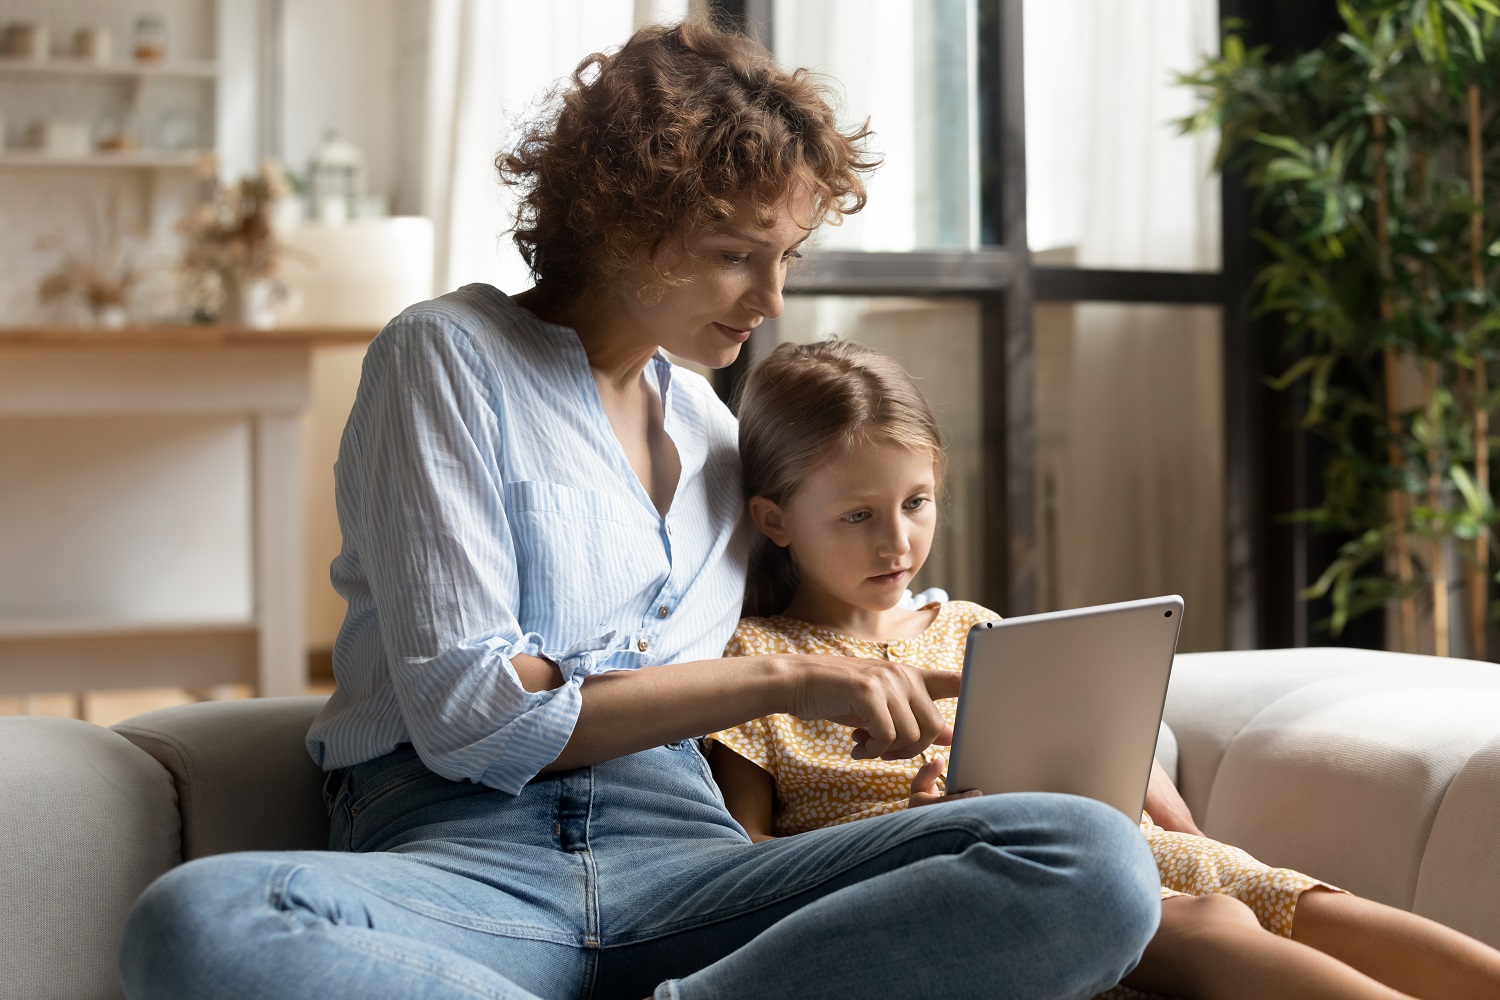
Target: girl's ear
x=767 y=518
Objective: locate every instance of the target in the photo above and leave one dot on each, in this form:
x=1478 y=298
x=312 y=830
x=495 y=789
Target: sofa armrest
x=1371 y=770
x=242 y=773
x=87 y=821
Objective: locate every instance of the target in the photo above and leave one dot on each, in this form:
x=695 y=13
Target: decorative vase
x=248 y=302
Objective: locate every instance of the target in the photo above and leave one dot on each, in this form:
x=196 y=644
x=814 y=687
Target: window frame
x=1002 y=277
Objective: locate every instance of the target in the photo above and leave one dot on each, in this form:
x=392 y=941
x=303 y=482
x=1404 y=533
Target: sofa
x=1379 y=772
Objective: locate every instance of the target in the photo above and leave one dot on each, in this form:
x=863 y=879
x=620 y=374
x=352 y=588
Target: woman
x=543 y=556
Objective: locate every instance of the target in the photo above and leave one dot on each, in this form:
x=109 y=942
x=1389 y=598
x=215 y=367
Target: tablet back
x=1068 y=701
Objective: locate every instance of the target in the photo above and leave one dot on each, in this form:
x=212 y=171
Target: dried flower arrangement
x=102 y=276
x=232 y=253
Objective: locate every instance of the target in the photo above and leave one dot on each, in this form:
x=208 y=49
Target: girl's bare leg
x=1418 y=956
x=1213 y=948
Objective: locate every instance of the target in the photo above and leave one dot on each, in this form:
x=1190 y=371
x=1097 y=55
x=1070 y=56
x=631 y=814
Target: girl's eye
x=917 y=503
x=792 y=255
x=858 y=517
x=735 y=258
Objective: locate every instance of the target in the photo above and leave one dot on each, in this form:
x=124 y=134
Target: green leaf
x=1353 y=21
x=1480 y=504
x=1469 y=27
x=1234 y=50
x=1284 y=142
x=1285 y=169
x=1302 y=367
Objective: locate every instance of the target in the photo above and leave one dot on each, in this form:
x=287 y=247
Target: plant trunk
x=1478 y=584
x=1397 y=500
x=1437 y=561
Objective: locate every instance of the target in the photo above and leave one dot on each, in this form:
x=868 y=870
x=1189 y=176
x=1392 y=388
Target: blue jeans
x=630 y=877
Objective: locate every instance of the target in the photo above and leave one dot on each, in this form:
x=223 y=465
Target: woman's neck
x=617 y=356
x=858 y=623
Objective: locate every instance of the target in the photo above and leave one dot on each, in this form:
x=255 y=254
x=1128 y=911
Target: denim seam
x=524 y=932
x=280 y=881
x=974 y=830
x=358 y=942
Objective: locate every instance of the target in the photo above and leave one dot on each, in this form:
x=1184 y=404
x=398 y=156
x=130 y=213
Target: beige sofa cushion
x=1370 y=770
x=91 y=825
x=1459 y=883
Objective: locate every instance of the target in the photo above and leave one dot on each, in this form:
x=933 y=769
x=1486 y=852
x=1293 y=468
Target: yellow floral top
x=817 y=783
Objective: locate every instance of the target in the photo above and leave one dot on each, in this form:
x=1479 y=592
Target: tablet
x=1068 y=701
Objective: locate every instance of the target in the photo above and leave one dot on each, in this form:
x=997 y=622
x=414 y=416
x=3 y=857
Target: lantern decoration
x=336 y=179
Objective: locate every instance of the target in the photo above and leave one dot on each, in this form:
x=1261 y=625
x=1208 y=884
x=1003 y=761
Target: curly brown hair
x=665 y=138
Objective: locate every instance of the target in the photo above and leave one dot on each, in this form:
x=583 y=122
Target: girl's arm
x=748 y=791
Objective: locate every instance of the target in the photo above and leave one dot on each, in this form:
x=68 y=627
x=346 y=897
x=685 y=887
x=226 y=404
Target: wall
x=355 y=66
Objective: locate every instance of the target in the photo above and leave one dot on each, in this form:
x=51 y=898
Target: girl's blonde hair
x=799 y=406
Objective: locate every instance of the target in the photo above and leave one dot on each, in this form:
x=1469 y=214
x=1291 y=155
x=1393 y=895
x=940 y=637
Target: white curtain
x=1130 y=401
x=490 y=63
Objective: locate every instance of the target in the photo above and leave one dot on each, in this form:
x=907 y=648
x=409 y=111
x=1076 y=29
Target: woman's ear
x=768 y=519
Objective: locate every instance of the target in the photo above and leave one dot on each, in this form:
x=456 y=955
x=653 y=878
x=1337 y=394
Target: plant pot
x=112 y=317
x=248 y=302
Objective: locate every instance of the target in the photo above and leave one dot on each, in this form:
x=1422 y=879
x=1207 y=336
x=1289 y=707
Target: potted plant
x=1374 y=164
x=232 y=252
x=101 y=277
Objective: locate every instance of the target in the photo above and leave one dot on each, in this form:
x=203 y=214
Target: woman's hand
x=888 y=705
x=1165 y=804
x=924 y=789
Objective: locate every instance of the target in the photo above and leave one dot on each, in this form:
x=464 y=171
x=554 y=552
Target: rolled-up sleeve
x=421 y=472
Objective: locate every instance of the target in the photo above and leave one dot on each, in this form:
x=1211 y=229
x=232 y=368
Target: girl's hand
x=924 y=789
x=1165 y=805
x=888 y=705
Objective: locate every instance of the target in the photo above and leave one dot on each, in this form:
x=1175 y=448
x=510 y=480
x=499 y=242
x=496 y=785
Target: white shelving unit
x=136 y=77
x=140 y=159
x=197 y=69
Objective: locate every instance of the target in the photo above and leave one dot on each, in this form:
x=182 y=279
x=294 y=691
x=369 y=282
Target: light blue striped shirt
x=488 y=510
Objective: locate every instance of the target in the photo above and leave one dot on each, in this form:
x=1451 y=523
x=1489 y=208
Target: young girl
x=843 y=466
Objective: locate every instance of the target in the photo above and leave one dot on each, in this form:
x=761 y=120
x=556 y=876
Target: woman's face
x=734 y=276
x=860 y=526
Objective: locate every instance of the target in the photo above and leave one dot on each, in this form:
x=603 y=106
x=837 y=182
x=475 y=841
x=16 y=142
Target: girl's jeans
x=630 y=877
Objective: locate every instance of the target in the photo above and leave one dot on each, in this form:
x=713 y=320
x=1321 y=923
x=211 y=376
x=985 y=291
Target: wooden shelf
x=202 y=335
x=198 y=69
x=81 y=628
x=185 y=159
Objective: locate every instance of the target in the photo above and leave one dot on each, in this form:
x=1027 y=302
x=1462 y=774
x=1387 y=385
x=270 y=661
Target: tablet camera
x=1167 y=614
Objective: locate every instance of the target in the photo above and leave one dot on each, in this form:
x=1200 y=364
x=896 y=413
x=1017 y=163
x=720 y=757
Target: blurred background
x=1042 y=247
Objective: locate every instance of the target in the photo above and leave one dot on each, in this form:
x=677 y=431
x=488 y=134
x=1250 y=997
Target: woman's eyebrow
x=738 y=234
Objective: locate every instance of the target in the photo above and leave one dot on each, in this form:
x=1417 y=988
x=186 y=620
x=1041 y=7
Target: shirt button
x=643 y=645
x=663 y=611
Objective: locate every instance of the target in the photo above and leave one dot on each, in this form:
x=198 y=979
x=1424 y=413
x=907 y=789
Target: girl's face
x=734 y=276
x=860 y=527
